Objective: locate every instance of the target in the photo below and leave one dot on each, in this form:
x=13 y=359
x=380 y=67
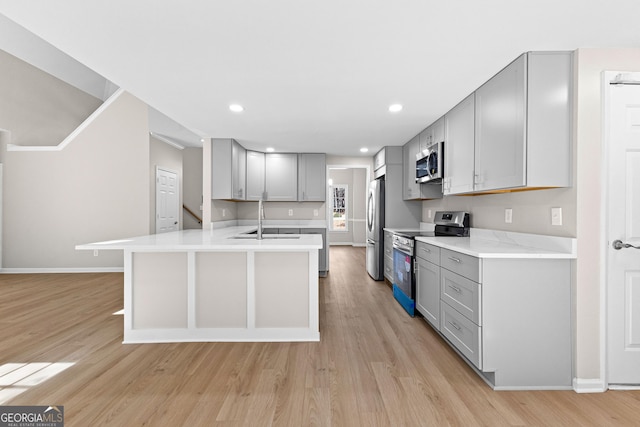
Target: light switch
x=290 y=212
x=315 y=212
x=556 y=216
x=224 y=212
x=508 y=215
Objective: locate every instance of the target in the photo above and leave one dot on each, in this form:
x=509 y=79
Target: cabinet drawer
x=462 y=333
x=462 y=294
x=464 y=265
x=388 y=268
x=428 y=252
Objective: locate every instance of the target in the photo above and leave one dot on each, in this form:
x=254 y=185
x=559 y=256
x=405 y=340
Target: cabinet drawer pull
x=455 y=259
x=458 y=328
x=455 y=288
x=425 y=249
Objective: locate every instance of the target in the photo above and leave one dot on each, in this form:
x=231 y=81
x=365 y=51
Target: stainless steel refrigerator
x=375 y=226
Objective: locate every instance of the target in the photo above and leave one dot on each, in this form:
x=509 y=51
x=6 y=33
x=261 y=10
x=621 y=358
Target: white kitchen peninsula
x=219 y=285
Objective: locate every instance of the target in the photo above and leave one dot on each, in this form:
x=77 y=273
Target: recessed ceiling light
x=236 y=108
x=394 y=108
x=270 y=150
x=364 y=149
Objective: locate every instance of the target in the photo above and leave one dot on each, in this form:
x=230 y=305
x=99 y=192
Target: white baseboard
x=591 y=385
x=61 y=270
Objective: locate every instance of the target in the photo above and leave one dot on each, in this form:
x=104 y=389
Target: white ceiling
x=315 y=76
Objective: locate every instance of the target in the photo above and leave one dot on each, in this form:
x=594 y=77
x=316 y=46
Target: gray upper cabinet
x=434 y=133
x=228 y=169
x=523 y=124
x=281 y=177
x=255 y=175
x=459 y=148
x=500 y=129
x=312 y=170
x=410 y=188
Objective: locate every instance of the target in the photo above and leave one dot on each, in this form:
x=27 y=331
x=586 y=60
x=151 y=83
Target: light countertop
x=216 y=239
x=501 y=244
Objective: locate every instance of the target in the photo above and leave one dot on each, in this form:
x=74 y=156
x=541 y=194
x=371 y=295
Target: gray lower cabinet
x=388 y=255
x=510 y=318
x=428 y=283
x=323 y=254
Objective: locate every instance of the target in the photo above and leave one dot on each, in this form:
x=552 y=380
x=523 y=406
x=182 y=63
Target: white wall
x=168 y=157
x=96 y=189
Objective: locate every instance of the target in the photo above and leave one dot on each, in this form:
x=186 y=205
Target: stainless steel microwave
x=429 y=163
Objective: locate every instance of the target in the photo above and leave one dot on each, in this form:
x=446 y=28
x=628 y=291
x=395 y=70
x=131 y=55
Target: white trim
x=47 y=270
x=607 y=76
x=76 y=131
x=595 y=385
x=166 y=140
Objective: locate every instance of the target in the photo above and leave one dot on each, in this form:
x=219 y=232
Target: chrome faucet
x=260 y=218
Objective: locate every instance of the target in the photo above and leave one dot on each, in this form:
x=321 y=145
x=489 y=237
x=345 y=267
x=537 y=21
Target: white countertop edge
x=201 y=240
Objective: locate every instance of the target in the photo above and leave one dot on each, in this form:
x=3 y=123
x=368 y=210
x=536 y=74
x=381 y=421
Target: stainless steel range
x=448 y=224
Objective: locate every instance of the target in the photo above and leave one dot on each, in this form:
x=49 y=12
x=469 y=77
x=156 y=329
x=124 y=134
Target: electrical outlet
x=508 y=215
x=290 y=212
x=95 y=252
x=556 y=216
x=429 y=213
x=315 y=212
x=224 y=212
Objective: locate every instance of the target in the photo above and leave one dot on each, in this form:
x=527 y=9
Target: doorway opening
x=346 y=204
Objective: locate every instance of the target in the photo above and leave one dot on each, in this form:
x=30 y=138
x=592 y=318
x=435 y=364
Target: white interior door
x=167 y=201
x=623 y=219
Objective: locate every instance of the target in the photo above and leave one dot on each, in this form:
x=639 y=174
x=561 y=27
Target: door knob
x=619 y=244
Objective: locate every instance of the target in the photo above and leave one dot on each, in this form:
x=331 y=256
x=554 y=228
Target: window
x=339 y=207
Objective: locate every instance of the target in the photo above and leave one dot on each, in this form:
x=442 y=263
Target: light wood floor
x=374 y=366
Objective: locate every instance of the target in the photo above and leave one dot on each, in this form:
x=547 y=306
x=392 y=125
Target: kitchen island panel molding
x=221 y=290
x=278 y=290
x=160 y=295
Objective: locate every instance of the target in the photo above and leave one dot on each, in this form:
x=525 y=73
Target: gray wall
x=192 y=185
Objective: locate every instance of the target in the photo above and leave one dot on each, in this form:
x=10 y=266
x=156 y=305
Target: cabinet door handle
x=458 y=328
x=455 y=288
x=455 y=259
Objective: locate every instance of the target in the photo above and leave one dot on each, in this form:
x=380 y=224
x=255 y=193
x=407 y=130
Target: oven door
x=404 y=280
